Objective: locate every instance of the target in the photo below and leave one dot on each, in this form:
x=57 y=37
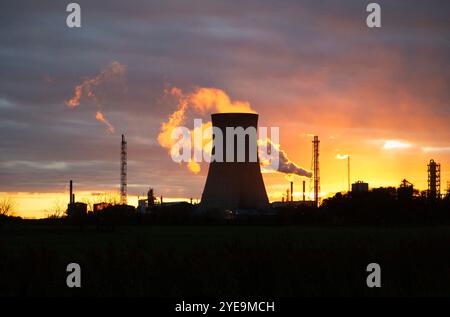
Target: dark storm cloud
x=267 y=52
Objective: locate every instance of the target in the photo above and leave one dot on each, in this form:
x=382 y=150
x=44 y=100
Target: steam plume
x=201 y=101
x=208 y=100
x=285 y=165
x=115 y=71
x=100 y=117
x=289 y=167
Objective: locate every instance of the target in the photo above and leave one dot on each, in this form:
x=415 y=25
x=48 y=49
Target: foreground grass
x=225 y=260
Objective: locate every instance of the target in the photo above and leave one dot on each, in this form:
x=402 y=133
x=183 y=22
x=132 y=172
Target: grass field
x=225 y=260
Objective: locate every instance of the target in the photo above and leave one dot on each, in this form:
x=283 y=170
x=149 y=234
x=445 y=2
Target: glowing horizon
x=379 y=95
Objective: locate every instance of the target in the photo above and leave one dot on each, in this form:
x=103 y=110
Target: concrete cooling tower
x=235 y=185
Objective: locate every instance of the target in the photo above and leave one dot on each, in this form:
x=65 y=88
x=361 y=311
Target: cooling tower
x=234 y=185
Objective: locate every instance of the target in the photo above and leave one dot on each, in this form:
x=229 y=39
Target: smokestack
x=303 y=190
x=73 y=198
x=316 y=170
x=235 y=185
x=292 y=191
x=70 y=192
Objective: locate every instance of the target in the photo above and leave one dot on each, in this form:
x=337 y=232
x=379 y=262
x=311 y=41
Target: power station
x=234 y=185
x=238 y=184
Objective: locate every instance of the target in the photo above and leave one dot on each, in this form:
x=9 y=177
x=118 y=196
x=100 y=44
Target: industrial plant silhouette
x=235 y=192
x=234 y=242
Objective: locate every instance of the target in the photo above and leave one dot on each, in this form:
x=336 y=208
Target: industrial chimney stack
x=71 y=200
x=316 y=170
x=304 y=183
x=292 y=191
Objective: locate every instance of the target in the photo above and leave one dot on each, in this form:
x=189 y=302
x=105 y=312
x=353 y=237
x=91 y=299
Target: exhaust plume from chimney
x=206 y=100
x=201 y=101
x=100 y=117
x=285 y=165
x=114 y=72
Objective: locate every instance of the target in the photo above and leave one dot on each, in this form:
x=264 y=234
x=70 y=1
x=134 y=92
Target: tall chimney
x=303 y=190
x=292 y=191
x=316 y=170
x=71 y=192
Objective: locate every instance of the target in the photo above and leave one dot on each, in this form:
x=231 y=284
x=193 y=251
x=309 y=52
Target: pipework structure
x=434 y=180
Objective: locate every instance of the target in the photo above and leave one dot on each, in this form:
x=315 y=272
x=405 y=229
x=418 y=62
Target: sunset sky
x=308 y=67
